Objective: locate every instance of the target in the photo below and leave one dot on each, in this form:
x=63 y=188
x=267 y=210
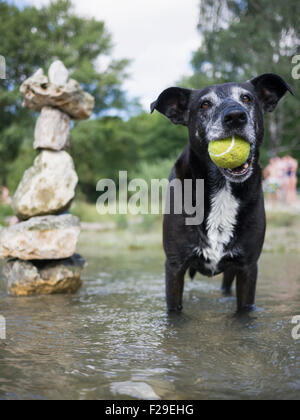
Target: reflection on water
x=113 y=340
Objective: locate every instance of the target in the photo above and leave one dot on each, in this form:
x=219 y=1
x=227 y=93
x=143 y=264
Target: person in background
x=290 y=179
x=271 y=184
x=281 y=180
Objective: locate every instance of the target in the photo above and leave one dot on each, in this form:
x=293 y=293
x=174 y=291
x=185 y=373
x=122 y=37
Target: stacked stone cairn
x=40 y=251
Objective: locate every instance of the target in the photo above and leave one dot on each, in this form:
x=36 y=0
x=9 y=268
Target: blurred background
x=113 y=338
x=125 y=53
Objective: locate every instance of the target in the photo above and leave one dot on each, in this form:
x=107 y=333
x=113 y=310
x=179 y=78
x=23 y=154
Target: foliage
x=145 y=147
x=5 y=212
x=101 y=148
x=159 y=169
x=241 y=39
x=157 y=137
x=33 y=38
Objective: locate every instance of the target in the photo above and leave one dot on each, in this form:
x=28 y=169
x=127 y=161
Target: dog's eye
x=246 y=99
x=206 y=105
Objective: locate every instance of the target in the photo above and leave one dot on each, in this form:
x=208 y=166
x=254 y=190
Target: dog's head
x=222 y=111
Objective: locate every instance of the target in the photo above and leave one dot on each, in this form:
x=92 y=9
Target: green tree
x=101 y=148
x=157 y=138
x=241 y=39
x=144 y=145
x=33 y=38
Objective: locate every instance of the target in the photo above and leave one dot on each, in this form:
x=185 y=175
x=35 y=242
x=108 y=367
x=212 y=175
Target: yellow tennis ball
x=229 y=153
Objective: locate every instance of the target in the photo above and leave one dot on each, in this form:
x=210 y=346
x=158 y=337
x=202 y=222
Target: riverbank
x=134 y=233
x=282 y=236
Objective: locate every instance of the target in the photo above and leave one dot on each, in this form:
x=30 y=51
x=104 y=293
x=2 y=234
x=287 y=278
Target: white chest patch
x=220 y=226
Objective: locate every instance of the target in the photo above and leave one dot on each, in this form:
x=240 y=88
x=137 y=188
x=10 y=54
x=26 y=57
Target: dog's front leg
x=246 y=288
x=174 y=287
x=229 y=276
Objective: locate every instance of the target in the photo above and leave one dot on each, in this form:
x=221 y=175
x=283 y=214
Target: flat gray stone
x=137 y=390
x=25 y=278
x=52 y=130
x=41 y=238
x=48 y=187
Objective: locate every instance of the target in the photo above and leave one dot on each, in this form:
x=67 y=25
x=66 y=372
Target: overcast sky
x=158 y=35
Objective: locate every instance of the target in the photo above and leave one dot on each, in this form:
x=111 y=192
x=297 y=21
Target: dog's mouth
x=241 y=170
x=244 y=171
x=241 y=173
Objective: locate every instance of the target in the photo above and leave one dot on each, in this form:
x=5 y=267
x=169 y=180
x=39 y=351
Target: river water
x=114 y=340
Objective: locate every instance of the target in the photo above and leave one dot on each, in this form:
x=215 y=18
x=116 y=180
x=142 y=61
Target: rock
x=41 y=238
x=40 y=78
x=52 y=129
x=25 y=278
x=48 y=187
x=58 y=74
x=136 y=390
x=69 y=98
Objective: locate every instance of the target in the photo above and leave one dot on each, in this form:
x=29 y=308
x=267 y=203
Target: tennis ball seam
x=227 y=151
x=237 y=152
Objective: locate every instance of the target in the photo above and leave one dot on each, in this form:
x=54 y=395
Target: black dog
x=231 y=237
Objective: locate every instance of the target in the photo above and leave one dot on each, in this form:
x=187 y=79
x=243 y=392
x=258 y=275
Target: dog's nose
x=235 y=118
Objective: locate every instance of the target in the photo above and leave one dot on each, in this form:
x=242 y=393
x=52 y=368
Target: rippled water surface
x=113 y=340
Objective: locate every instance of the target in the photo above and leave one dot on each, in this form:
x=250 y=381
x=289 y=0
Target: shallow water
x=113 y=340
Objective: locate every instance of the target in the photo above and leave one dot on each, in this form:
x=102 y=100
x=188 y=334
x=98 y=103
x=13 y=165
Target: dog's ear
x=173 y=103
x=270 y=89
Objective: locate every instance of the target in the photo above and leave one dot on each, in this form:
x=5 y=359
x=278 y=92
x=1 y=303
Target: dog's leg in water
x=174 y=288
x=228 y=279
x=246 y=288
